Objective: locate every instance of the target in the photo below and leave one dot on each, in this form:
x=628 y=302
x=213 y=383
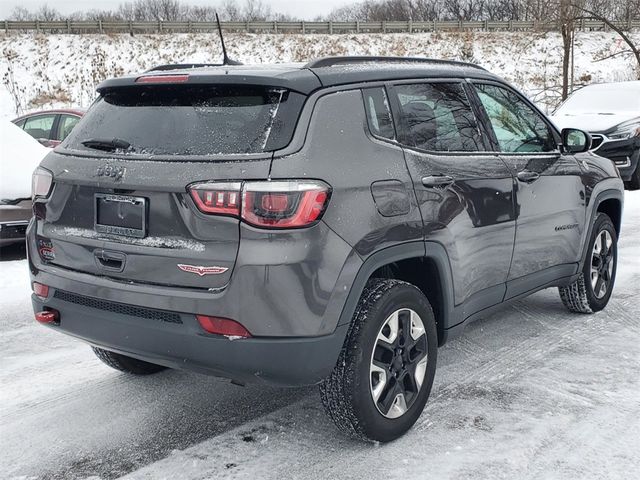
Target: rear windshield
x=190 y=120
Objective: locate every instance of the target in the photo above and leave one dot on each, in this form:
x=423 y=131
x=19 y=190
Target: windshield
x=603 y=100
x=191 y=120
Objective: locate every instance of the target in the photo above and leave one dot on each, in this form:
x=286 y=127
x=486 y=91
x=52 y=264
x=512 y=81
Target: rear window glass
x=378 y=113
x=191 y=120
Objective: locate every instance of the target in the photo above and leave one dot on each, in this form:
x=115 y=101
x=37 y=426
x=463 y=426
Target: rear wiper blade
x=106 y=144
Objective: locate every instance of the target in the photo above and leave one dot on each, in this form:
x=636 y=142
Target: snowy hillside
x=68 y=67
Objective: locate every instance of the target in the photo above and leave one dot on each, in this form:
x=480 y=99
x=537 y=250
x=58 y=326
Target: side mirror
x=575 y=141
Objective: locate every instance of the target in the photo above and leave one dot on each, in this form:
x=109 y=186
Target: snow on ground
x=531 y=392
x=60 y=70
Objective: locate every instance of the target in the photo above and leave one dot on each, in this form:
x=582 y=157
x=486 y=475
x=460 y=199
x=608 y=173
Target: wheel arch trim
x=419 y=250
x=608 y=194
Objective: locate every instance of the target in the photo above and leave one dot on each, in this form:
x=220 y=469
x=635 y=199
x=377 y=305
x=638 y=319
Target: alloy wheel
x=602 y=264
x=398 y=363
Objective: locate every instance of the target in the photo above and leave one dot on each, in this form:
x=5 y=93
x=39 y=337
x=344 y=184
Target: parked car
x=50 y=127
x=610 y=112
x=330 y=223
x=21 y=154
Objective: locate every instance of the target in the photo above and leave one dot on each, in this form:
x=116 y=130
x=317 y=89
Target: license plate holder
x=121 y=215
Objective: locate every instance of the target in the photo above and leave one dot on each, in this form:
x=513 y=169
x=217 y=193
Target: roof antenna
x=225 y=58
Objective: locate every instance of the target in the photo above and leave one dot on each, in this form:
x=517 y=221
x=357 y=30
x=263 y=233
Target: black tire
x=580 y=296
x=127 y=364
x=347 y=394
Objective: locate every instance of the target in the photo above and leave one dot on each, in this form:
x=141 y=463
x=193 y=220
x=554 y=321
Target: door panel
x=472 y=217
x=551 y=213
x=549 y=195
x=465 y=195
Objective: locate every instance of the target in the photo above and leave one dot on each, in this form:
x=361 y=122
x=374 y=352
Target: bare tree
x=627 y=39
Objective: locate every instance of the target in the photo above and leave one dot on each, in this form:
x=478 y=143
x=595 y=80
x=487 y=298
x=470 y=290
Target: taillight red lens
x=41 y=291
x=267 y=204
x=217 y=197
x=222 y=326
x=288 y=204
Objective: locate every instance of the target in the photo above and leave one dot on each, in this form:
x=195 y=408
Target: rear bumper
x=181 y=343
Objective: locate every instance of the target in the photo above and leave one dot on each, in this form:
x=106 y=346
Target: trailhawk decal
x=202 y=271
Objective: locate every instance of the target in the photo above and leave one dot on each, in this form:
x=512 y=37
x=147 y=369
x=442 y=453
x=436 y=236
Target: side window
x=437 y=117
x=518 y=128
x=66 y=124
x=20 y=123
x=39 y=126
x=378 y=112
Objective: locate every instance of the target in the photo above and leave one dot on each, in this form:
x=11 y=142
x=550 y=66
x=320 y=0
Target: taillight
x=266 y=204
x=41 y=182
x=284 y=204
x=217 y=197
x=222 y=326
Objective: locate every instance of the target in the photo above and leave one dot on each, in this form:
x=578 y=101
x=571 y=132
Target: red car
x=50 y=127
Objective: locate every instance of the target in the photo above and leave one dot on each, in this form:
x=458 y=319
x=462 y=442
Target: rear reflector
x=163 y=79
x=48 y=316
x=222 y=326
x=41 y=291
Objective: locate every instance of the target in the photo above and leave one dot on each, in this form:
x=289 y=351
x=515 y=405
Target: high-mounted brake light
x=41 y=182
x=222 y=326
x=265 y=204
x=163 y=79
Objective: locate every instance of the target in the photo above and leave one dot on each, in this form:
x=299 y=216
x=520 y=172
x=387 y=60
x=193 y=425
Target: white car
x=610 y=112
x=20 y=154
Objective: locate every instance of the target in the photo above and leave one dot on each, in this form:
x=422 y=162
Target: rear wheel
x=592 y=291
x=384 y=374
x=126 y=364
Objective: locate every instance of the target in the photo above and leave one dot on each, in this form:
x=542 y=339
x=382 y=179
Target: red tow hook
x=48 y=316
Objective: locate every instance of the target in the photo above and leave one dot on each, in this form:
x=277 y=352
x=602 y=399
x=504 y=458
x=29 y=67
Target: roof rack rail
x=333 y=61
x=182 y=66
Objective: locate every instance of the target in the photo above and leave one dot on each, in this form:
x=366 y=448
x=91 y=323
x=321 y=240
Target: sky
x=305 y=9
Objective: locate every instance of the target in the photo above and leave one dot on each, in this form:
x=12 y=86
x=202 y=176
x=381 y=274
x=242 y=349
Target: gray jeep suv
x=330 y=223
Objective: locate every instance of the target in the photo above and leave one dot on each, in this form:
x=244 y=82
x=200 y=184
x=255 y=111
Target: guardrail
x=97 y=26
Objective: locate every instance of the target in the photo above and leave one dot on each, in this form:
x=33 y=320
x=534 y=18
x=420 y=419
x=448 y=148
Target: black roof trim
x=351 y=60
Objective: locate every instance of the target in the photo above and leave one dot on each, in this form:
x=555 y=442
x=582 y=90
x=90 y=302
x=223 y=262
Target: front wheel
x=592 y=291
x=384 y=374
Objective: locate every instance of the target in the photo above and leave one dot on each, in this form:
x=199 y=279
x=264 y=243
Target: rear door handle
x=528 y=176
x=435 y=181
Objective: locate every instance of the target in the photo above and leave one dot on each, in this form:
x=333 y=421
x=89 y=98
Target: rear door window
x=40 y=126
x=191 y=120
x=437 y=117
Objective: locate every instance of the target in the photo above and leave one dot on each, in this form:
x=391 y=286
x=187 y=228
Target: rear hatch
x=121 y=205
